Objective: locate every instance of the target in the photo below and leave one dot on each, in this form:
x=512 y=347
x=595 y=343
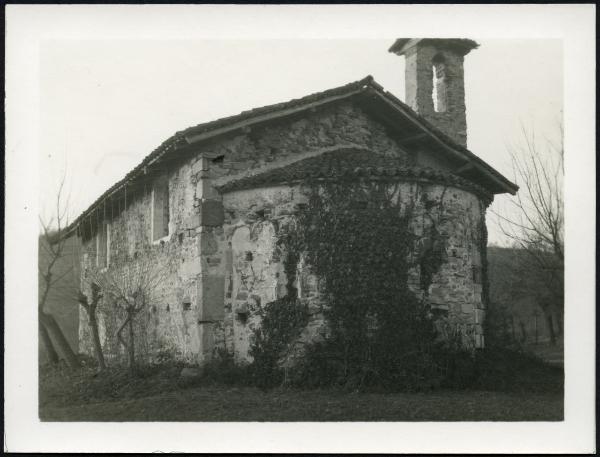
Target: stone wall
x=186 y=315
x=257 y=275
x=419 y=75
x=342 y=125
x=456 y=290
x=220 y=261
x=169 y=322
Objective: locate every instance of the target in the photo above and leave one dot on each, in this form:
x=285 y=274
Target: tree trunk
x=50 y=351
x=58 y=337
x=96 y=340
x=131 y=346
x=550 y=322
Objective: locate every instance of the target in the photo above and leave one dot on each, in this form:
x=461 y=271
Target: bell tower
x=435 y=83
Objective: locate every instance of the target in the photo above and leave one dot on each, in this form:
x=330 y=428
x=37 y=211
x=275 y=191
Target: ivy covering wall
x=358 y=241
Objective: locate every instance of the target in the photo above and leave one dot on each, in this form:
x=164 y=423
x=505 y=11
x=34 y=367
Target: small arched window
x=439 y=93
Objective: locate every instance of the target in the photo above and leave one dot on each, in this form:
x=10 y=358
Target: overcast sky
x=106 y=104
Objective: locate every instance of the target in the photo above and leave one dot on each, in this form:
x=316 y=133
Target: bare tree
x=90 y=307
x=130 y=286
x=535 y=219
x=52 y=250
x=62 y=249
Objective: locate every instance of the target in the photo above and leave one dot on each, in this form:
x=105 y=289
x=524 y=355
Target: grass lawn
x=220 y=403
x=510 y=387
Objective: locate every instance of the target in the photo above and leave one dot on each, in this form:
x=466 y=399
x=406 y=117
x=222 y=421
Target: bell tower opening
x=439 y=93
x=434 y=81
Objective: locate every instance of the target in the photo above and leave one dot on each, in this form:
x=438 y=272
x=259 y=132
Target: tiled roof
x=264 y=114
x=249 y=114
x=179 y=138
x=349 y=164
x=463 y=44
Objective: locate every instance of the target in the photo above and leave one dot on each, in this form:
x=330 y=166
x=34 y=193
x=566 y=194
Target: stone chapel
x=204 y=208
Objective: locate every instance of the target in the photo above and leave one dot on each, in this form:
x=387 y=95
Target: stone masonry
x=228 y=193
x=224 y=243
x=425 y=58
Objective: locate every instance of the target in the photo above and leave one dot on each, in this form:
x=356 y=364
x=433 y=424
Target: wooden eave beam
x=460 y=155
x=464 y=168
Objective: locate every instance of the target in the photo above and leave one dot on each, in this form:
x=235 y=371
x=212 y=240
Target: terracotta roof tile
x=344 y=164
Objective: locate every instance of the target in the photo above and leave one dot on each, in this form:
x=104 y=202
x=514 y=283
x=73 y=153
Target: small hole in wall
x=180 y=238
x=429 y=204
x=168 y=308
x=242 y=318
x=187 y=306
x=249 y=256
x=153 y=309
x=218 y=159
x=260 y=213
x=439 y=312
x=135 y=255
x=256 y=299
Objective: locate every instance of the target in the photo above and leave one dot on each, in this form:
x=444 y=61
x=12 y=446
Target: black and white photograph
x=264 y=228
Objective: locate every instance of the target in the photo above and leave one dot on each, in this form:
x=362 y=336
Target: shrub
x=224 y=371
x=282 y=319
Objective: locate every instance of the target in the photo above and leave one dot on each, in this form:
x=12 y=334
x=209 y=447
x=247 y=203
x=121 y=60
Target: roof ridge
x=179 y=137
x=206 y=126
x=230 y=123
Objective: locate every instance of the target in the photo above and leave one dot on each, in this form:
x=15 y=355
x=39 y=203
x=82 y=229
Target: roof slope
x=181 y=141
x=348 y=163
x=463 y=45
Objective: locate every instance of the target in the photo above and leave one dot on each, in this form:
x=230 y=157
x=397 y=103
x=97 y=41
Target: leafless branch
x=534 y=221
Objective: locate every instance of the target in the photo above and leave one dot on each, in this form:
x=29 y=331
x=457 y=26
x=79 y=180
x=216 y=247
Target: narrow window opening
x=218 y=160
x=160 y=209
x=440 y=82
